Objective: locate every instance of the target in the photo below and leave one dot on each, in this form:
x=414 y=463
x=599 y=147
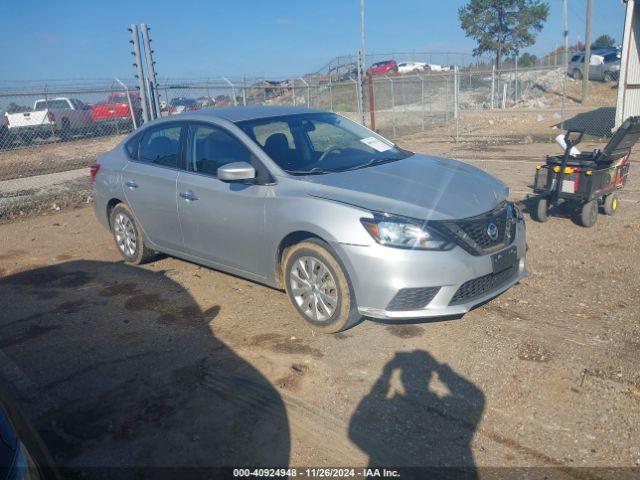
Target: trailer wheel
x=611 y=203
x=541 y=213
x=589 y=214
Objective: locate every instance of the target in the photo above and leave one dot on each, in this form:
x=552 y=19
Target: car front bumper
x=378 y=273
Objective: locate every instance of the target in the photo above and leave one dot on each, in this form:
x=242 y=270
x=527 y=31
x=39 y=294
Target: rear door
x=149 y=182
x=222 y=222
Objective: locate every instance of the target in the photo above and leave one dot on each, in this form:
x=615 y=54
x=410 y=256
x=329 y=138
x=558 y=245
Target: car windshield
x=317 y=143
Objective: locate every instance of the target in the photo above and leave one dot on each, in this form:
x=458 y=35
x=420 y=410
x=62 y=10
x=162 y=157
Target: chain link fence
x=53 y=131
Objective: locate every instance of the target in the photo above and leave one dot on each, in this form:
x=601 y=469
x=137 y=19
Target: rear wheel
x=126 y=234
x=65 y=132
x=542 y=210
x=611 y=203
x=577 y=74
x=589 y=214
x=318 y=287
x=26 y=138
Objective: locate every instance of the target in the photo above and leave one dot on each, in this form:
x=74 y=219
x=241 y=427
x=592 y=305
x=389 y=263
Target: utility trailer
x=586 y=181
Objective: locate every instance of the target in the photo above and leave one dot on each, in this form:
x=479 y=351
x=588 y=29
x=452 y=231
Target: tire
x=608 y=77
x=611 y=203
x=589 y=214
x=327 y=302
x=126 y=234
x=541 y=213
x=26 y=138
x=65 y=132
x=577 y=74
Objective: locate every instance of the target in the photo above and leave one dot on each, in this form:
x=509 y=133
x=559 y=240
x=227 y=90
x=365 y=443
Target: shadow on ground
x=126 y=372
x=419 y=413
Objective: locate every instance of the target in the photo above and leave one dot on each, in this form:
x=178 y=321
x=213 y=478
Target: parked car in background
x=62 y=117
x=206 y=102
x=439 y=68
x=387 y=67
x=412 y=67
x=604 y=65
x=5 y=136
x=344 y=220
x=115 y=112
x=182 y=104
x=223 y=100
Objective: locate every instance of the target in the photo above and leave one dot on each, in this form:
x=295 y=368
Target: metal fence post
x=358 y=97
x=422 y=101
x=515 y=95
x=493 y=86
x=456 y=87
x=308 y=91
x=152 y=80
x=330 y=95
x=244 y=91
x=393 y=107
x=139 y=73
x=133 y=115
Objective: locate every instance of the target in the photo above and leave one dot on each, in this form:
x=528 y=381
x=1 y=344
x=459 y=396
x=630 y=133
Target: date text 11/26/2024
x=316 y=472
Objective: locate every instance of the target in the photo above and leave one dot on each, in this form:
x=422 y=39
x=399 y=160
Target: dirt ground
x=172 y=364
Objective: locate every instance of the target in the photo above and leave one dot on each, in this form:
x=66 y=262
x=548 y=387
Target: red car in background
x=116 y=113
x=387 y=67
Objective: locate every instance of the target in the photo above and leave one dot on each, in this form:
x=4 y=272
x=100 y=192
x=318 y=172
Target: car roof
x=253 y=112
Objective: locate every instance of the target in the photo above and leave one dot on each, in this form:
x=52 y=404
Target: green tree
x=603 y=41
x=502 y=27
x=527 y=60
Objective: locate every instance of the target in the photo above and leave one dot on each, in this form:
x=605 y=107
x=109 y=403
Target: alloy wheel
x=313 y=288
x=125 y=233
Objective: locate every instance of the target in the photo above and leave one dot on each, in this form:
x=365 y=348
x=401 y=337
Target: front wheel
x=319 y=288
x=589 y=214
x=611 y=203
x=541 y=213
x=127 y=236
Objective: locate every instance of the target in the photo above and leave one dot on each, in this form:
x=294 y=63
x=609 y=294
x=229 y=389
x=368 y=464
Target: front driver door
x=150 y=184
x=221 y=222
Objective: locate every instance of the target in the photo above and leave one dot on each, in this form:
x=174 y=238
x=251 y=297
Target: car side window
x=209 y=148
x=132 y=147
x=161 y=146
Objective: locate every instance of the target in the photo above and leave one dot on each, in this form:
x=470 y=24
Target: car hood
x=420 y=186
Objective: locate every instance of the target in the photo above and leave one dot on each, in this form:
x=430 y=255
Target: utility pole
x=361 y=62
x=587 y=54
x=566 y=60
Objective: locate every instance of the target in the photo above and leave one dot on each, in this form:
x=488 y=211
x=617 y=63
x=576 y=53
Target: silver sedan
x=348 y=223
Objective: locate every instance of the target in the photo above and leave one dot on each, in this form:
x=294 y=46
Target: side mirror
x=236 y=171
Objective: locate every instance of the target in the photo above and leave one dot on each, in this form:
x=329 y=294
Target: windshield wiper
x=369 y=163
x=312 y=171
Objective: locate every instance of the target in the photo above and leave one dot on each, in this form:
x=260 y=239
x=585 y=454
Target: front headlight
x=402 y=232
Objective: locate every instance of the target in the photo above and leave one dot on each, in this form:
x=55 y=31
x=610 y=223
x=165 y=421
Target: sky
x=88 y=39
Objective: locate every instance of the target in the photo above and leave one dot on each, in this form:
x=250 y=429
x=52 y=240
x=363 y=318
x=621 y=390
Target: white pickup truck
x=61 y=117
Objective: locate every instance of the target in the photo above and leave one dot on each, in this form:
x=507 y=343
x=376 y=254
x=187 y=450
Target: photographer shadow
x=419 y=413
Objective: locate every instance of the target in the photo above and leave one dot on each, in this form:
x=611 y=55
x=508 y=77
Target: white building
x=628 y=103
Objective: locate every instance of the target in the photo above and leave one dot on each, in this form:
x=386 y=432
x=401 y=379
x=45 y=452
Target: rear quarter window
x=131 y=147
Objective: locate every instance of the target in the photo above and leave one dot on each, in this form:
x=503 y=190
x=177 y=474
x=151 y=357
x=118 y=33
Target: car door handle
x=131 y=184
x=189 y=196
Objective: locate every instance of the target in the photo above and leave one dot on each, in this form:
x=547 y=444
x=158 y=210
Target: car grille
x=480 y=286
x=472 y=234
x=412 y=298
